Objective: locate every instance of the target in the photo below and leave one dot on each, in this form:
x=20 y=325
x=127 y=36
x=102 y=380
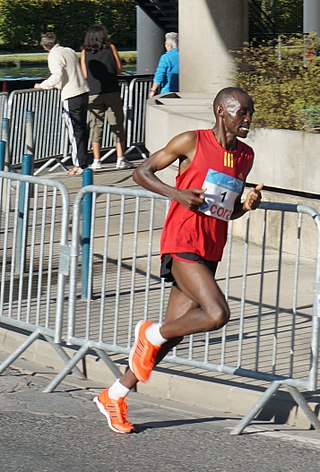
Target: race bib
x=220 y=195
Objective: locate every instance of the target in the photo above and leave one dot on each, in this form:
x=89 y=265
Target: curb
x=166 y=384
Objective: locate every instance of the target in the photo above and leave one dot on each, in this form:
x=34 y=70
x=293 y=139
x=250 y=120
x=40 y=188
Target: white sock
x=117 y=390
x=153 y=335
x=120 y=158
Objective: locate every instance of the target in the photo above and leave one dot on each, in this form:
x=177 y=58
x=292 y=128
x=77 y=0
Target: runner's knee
x=218 y=317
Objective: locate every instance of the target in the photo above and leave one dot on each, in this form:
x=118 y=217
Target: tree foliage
x=23 y=21
x=283 y=81
x=287 y=15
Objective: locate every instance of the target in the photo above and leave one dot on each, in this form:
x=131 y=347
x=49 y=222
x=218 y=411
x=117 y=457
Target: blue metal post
x=29 y=132
x=87 y=179
x=5 y=138
x=22 y=217
x=2 y=159
x=5 y=130
x=2 y=154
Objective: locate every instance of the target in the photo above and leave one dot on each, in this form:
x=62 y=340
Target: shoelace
x=150 y=354
x=120 y=410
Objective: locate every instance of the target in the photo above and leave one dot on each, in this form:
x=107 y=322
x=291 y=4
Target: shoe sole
x=136 y=339
x=105 y=413
x=130 y=166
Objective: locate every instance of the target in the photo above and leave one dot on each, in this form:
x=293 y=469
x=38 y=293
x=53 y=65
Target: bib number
x=221 y=193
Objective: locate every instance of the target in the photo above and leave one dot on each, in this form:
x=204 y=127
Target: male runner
x=213 y=166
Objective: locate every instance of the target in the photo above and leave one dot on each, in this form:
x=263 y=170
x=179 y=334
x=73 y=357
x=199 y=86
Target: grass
x=12 y=60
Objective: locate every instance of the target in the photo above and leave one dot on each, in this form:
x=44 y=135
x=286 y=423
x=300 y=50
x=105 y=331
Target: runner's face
x=237 y=113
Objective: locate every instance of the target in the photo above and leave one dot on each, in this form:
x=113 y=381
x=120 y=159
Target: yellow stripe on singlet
x=228 y=159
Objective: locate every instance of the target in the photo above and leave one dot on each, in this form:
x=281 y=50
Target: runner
x=213 y=166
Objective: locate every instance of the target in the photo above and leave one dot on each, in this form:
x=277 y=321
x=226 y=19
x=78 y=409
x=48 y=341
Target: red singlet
x=193 y=231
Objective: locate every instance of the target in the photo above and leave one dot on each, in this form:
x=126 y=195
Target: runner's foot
x=115 y=411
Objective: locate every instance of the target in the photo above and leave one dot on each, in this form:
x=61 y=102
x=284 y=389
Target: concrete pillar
x=208 y=30
x=311 y=16
x=150 y=43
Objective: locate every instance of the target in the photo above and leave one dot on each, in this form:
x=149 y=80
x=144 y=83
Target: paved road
x=63 y=431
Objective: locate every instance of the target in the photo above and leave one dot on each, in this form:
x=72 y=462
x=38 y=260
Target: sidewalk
x=180 y=383
x=64 y=431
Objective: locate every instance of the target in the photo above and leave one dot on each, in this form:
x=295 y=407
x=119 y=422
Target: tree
x=23 y=21
x=287 y=15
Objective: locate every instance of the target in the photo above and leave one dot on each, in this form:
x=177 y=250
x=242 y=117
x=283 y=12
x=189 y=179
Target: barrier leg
x=87 y=179
x=59 y=162
x=64 y=356
x=143 y=153
x=67 y=369
x=106 y=359
x=107 y=154
x=256 y=408
x=301 y=401
x=17 y=353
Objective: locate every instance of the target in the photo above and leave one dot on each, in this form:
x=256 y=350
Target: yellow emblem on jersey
x=228 y=159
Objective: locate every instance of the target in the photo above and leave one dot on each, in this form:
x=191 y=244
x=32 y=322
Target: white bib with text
x=220 y=194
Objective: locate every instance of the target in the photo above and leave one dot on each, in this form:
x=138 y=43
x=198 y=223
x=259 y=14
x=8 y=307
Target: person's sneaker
x=143 y=354
x=115 y=412
x=96 y=164
x=124 y=164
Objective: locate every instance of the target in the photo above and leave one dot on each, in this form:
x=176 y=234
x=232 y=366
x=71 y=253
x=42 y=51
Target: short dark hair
x=224 y=94
x=48 y=40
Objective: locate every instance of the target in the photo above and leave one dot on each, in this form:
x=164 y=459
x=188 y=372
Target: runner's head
x=233 y=109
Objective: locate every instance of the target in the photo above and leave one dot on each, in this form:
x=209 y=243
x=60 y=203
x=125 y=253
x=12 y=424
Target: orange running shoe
x=115 y=412
x=143 y=353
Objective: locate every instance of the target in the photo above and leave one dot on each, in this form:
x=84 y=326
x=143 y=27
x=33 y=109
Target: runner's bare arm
x=181 y=147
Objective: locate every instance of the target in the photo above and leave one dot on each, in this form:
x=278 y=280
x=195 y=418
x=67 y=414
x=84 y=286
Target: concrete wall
x=150 y=43
x=311 y=16
x=208 y=30
x=285 y=160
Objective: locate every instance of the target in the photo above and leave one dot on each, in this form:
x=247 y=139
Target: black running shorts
x=166 y=263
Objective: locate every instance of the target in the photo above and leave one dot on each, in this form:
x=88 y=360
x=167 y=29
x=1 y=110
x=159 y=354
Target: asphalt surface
x=63 y=431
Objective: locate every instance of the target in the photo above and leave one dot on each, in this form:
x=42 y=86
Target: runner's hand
x=253 y=198
x=191 y=198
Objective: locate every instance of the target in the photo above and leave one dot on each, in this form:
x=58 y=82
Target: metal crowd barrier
x=34 y=266
x=138 y=94
x=273 y=292
x=273 y=335
x=49 y=132
x=50 y=136
x=122 y=286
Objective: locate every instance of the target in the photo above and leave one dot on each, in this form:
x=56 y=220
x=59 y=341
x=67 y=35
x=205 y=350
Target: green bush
x=283 y=80
x=23 y=21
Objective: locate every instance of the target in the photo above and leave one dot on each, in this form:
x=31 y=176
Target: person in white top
x=66 y=75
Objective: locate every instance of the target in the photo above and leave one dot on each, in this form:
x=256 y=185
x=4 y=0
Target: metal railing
x=50 y=137
x=273 y=293
x=273 y=296
x=33 y=242
x=49 y=133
